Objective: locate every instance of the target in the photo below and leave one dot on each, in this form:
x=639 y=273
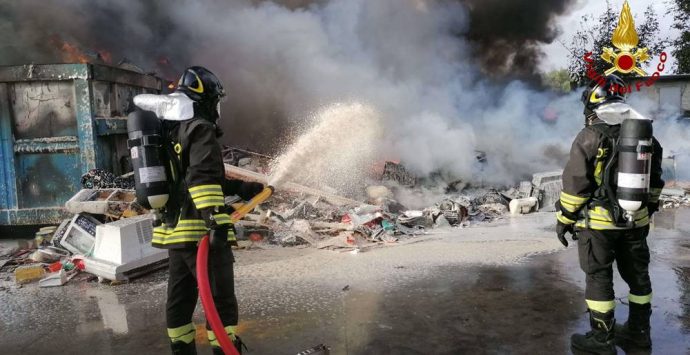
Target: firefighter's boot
x=237 y=342
x=182 y=348
x=600 y=340
x=636 y=331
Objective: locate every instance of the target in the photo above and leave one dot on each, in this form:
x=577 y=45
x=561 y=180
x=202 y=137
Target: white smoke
x=407 y=58
x=672 y=131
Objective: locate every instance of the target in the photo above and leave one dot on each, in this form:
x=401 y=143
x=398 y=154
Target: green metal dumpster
x=57 y=122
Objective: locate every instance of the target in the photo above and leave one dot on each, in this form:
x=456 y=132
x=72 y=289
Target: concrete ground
x=506 y=288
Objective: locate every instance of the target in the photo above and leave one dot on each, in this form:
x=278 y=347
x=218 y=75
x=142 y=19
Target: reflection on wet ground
x=526 y=308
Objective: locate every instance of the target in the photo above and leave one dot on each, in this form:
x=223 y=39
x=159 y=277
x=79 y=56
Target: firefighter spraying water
x=179 y=172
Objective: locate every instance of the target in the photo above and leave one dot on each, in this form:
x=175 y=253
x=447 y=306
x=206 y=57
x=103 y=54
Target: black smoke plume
x=506 y=35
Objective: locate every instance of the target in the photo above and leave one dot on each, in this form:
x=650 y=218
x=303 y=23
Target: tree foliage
x=595 y=34
x=557 y=80
x=681 y=46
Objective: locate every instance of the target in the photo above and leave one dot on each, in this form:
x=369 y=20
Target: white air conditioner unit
x=123 y=250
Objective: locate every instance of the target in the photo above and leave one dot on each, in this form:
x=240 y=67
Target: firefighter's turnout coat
x=198 y=181
x=582 y=177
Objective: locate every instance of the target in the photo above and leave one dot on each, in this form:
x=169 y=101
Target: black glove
x=250 y=189
x=562 y=229
x=218 y=238
x=652 y=208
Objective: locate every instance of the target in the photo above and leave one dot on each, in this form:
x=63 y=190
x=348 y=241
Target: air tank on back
x=148 y=159
x=634 y=164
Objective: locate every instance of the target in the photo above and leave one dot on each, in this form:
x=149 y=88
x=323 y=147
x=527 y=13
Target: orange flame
x=71 y=53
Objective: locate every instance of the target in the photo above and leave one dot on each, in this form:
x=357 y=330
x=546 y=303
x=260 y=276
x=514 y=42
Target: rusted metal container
x=57 y=122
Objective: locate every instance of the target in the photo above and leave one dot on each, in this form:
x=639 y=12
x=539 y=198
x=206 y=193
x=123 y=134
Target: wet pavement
x=418 y=298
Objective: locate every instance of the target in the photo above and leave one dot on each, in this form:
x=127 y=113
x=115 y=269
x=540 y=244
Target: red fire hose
x=202 y=276
x=207 y=299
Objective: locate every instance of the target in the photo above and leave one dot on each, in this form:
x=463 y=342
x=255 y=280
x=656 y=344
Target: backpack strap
x=606 y=168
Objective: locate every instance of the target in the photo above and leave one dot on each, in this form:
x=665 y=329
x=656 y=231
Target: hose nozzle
x=249 y=206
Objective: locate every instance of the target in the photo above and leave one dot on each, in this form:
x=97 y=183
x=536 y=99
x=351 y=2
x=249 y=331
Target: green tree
x=595 y=34
x=557 y=80
x=681 y=46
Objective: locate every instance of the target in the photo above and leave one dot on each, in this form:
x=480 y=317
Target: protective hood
x=173 y=107
x=616 y=112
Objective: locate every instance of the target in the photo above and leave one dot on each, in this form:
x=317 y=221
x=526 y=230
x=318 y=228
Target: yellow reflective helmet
x=604 y=90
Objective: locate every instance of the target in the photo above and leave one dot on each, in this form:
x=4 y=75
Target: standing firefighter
x=611 y=187
x=196 y=206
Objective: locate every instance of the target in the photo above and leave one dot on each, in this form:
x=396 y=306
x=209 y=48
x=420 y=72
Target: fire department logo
x=626 y=57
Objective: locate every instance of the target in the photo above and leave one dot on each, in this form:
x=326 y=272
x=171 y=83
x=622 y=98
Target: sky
x=557 y=55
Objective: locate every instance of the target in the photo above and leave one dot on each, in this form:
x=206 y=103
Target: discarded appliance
x=80 y=235
x=57 y=122
x=547 y=189
x=522 y=205
x=525 y=189
x=123 y=250
x=60 y=232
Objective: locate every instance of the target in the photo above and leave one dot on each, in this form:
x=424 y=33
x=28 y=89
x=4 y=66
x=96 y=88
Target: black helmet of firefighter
x=602 y=91
x=204 y=88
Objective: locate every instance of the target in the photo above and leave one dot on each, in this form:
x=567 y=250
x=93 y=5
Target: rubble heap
x=674 y=198
x=291 y=218
x=298 y=215
x=105 y=208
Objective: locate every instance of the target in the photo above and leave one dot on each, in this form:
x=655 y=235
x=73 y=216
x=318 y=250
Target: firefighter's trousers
x=183 y=292
x=598 y=249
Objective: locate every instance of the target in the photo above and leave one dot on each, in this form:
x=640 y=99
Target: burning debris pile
x=299 y=215
x=293 y=218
